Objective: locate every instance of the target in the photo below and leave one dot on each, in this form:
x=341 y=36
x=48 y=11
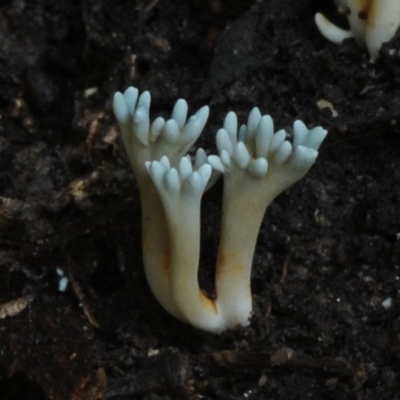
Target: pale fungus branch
x=180 y=190
x=257 y=164
x=146 y=142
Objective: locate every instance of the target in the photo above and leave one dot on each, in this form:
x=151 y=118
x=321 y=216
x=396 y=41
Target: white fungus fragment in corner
x=372 y=22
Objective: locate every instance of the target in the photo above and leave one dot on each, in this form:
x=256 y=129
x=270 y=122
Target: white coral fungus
x=372 y=22
x=257 y=165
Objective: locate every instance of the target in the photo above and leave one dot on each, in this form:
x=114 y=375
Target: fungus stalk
x=257 y=164
x=180 y=191
x=144 y=142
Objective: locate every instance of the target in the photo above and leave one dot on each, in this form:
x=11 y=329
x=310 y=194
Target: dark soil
x=326 y=277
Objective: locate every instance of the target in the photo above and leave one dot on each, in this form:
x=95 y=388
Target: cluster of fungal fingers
x=257 y=164
x=372 y=22
x=181 y=182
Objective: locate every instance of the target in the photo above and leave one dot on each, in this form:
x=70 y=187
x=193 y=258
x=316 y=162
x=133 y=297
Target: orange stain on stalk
x=208 y=303
x=166 y=257
x=166 y=262
x=229 y=261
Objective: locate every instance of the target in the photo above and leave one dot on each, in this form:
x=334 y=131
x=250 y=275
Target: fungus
x=372 y=22
x=144 y=142
x=257 y=165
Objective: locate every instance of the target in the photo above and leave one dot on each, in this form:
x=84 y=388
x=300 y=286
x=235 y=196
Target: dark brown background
x=328 y=253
